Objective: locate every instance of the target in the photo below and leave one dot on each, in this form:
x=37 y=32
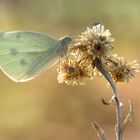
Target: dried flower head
x=73 y=71
x=120 y=69
x=95 y=41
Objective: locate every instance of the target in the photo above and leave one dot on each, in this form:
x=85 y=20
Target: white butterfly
x=25 y=54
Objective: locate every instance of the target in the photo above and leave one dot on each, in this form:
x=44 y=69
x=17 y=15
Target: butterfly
x=26 y=54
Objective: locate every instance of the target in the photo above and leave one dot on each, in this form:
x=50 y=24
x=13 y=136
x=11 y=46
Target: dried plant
x=89 y=55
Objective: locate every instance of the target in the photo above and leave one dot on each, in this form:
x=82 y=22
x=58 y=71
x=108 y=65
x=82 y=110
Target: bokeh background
x=42 y=109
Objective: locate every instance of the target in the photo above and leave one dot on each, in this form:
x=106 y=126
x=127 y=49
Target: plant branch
x=101 y=68
x=99 y=131
x=128 y=118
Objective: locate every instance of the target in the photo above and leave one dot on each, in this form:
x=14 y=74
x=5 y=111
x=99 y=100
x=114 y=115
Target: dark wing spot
x=18 y=35
x=23 y=62
x=13 y=51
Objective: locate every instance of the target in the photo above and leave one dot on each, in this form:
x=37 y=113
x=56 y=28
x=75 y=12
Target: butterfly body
x=25 y=54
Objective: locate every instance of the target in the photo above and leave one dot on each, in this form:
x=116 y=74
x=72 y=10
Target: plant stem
x=101 y=68
x=99 y=131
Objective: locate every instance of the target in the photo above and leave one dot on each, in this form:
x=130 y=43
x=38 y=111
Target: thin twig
x=108 y=102
x=128 y=118
x=101 y=68
x=99 y=131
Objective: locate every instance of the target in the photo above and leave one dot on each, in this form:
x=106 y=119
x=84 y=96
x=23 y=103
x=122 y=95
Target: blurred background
x=42 y=109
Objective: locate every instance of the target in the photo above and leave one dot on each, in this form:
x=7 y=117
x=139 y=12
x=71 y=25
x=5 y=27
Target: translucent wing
x=24 y=55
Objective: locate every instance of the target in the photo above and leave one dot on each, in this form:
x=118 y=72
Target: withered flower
x=120 y=69
x=92 y=44
x=73 y=71
x=96 y=41
x=89 y=55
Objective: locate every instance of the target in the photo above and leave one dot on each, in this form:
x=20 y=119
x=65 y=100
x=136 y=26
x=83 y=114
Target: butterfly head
x=65 y=41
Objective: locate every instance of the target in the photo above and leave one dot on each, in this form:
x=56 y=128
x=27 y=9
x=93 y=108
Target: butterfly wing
x=24 y=54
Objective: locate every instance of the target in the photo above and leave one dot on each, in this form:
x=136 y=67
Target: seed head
x=73 y=71
x=79 y=62
x=120 y=69
x=96 y=41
